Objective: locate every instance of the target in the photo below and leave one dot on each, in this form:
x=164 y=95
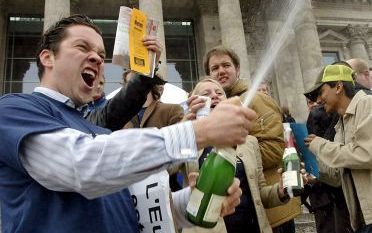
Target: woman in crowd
x=250 y=214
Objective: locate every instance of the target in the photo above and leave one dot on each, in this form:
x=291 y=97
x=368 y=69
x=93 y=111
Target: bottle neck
x=289 y=140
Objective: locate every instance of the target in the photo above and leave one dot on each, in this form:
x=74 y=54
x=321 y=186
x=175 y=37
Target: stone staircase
x=305 y=222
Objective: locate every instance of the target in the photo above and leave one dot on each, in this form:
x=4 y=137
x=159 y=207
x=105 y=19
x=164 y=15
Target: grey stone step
x=305 y=217
x=305 y=222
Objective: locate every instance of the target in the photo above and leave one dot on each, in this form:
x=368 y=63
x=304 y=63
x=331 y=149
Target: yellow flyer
x=139 y=55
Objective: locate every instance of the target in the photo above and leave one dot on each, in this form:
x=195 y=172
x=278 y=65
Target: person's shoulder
x=265 y=98
x=362 y=95
x=169 y=106
x=365 y=98
x=19 y=105
x=21 y=102
x=15 y=99
x=360 y=102
x=261 y=100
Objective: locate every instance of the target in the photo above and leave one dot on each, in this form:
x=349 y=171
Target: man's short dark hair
x=349 y=87
x=52 y=38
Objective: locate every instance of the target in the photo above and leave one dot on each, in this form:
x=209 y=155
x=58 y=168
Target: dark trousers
x=330 y=211
x=365 y=229
x=332 y=219
x=287 y=227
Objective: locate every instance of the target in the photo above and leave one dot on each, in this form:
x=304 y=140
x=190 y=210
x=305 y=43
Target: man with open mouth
x=61 y=173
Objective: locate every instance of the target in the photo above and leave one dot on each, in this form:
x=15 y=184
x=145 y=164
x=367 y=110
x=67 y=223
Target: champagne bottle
x=216 y=175
x=292 y=179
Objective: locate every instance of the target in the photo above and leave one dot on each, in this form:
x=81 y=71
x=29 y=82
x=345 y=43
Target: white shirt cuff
x=180 y=141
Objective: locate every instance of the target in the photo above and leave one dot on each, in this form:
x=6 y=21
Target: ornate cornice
x=357 y=32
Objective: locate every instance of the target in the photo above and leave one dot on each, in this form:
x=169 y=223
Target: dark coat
x=124 y=105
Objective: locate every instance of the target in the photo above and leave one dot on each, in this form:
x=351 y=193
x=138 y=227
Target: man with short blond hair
x=363 y=78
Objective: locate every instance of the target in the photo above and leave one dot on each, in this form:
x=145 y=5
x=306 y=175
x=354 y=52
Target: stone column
x=154 y=9
x=55 y=10
x=208 y=33
x=232 y=32
x=3 y=21
x=370 y=53
x=358 y=34
x=308 y=45
x=288 y=74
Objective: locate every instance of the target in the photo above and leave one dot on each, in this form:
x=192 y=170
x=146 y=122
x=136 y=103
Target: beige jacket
x=351 y=152
x=263 y=195
x=268 y=129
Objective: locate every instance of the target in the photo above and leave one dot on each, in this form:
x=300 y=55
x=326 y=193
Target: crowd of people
x=68 y=154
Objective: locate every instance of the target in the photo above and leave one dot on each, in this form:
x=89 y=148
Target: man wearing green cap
x=351 y=152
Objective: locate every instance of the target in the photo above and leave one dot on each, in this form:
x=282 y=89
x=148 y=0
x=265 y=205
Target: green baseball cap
x=330 y=73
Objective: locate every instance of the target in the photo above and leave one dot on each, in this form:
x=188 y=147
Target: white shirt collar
x=59 y=97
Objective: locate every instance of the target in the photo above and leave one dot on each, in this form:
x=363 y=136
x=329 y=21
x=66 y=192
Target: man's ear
x=339 y=87
x=46 y=58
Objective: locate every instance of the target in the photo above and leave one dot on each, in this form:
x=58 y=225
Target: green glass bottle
x=292 y=179
x=215 y=177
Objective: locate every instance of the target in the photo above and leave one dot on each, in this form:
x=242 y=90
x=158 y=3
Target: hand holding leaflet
x=129 y=50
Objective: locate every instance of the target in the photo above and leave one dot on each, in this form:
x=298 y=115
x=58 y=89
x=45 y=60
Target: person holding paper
x=60 y=173
x=351 y=151
x=128 y=101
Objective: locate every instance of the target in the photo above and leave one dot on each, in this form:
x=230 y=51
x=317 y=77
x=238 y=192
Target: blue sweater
x=29 y=207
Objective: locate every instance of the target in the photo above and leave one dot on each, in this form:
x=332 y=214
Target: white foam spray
x=293 y=7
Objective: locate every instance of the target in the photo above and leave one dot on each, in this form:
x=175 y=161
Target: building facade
x=324 y=31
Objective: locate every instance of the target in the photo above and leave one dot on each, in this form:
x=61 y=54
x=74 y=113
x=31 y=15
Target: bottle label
x=194 y=202
x=214 y=208
x=290 y=179
x=289 y=151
